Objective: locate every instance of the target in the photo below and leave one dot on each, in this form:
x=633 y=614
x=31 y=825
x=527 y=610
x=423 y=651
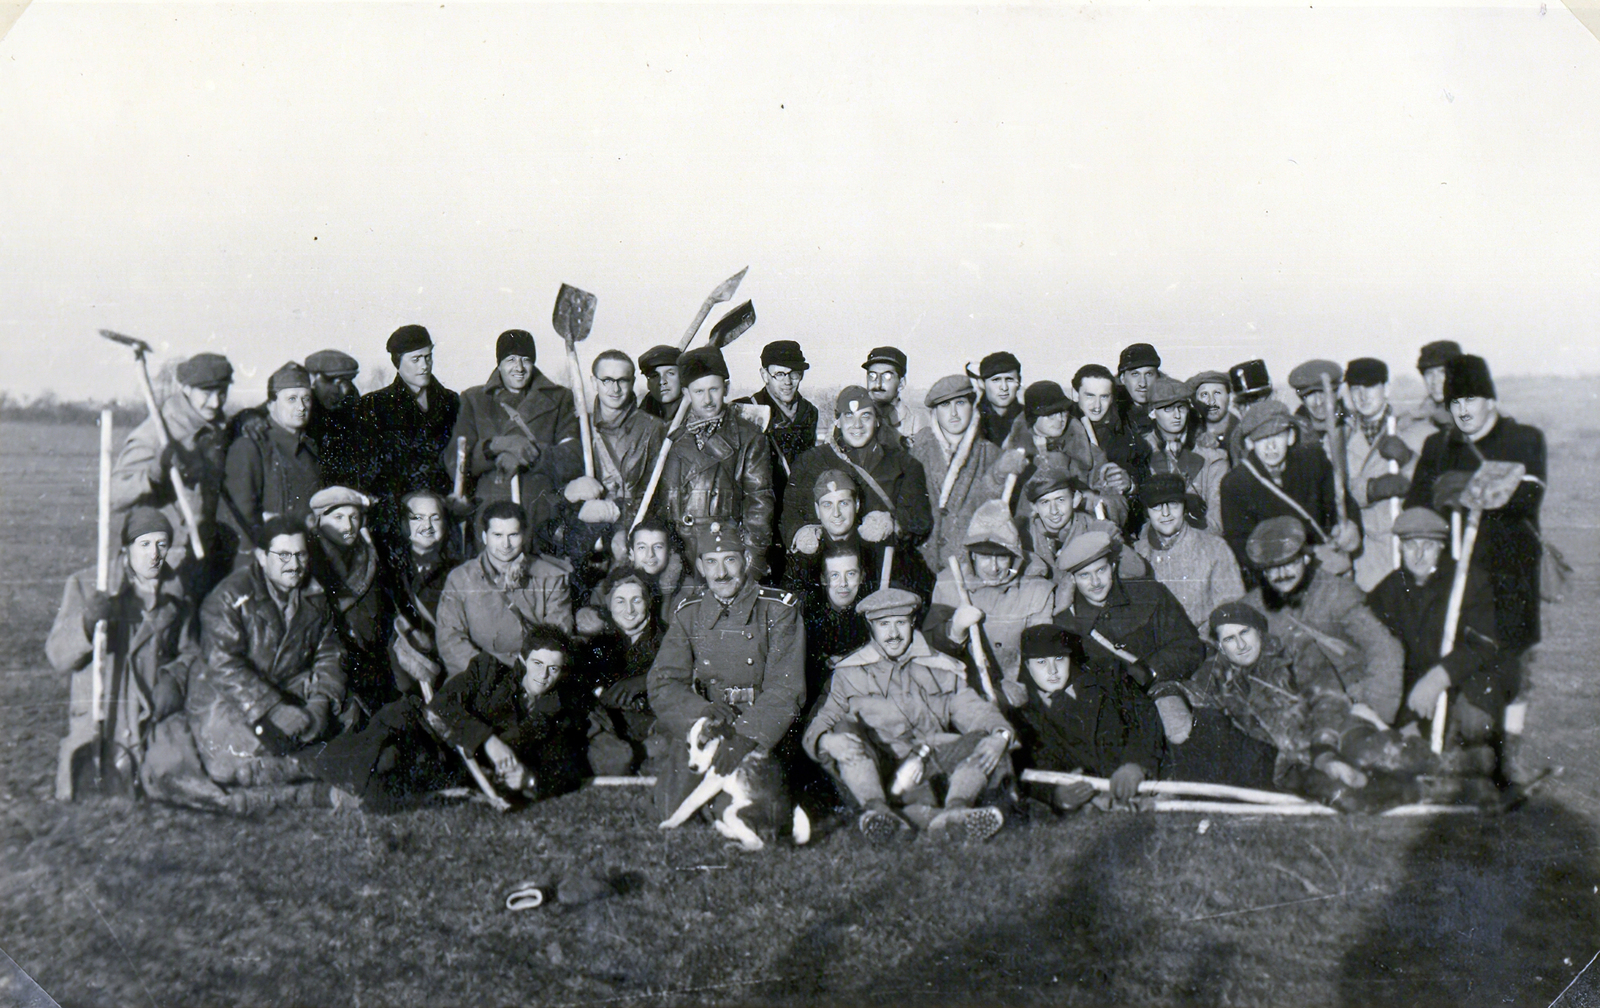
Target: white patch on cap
x=855 y=404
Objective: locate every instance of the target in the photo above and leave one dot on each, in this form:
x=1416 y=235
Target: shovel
x=1490 y=488
x=964 y=447
x=728 y=328
x=723 y=293
x=140 y=350
x=573 y=318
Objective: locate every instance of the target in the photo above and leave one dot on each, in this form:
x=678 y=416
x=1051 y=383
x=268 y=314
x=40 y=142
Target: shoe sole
x=880 y=829
x=980 y=824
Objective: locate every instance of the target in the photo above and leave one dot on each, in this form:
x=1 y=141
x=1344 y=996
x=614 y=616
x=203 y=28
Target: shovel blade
x=733 y=325
x=725 y=290
x=574 y=314
x=139 y=345
x=1492 y=485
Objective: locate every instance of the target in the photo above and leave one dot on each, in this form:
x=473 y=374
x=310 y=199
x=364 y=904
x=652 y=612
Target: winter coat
x=136 y=476
x=1008 y=609
x=996 y=424
x=476 y=614
x=253 y=660
x=404 y=446
x=899 y=421
x=1043 y=546
x=750 y=653
x=1508 y=545
x=1108 y=723
x=273 y=473
x=974 y=484
x=1246 y=502
x=1142 y=618
x=1364 y=464
x=548 y=410
x=1202 y=470
x=1196 y=566
x=791 y=437
x=1292 y=701
x=1119 y=443
x=546 y=732
x=609 y=658
x=831 y=633
x=1415 y=614
x=632 y=442
x=149 y=651
x=354 y=584
x=901 y=476
x=1222 y=436
x=1331 y=616
x=729 y=478
x=927 y=692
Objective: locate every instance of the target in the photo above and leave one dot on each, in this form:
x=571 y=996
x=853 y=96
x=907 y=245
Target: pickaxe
x=141 y=350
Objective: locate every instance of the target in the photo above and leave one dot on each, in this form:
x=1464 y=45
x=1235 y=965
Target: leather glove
x=525 y=451
x=289 y=719
x=721 y=715
x=96 y=607
x=877 y=526
x=1394 y=449
x=599 y=512
x=628 y=694
x=808 y=539
x=1011 y=463
x=167 y=696
x=1068 y=797
x=1425 y=694
x=508 y=463
x=732 y=750
x=589 y=622
x=321 y=715
x=584 y=488
x=964 y=619
x=1386 y=486
x=1126 y=780
x=1447 y=489
x=253 y=425
x=1110 y=479
x=173 y=455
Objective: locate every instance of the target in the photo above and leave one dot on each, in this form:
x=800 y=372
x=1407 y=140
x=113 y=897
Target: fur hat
x=991 y=530
x=699 y=363
x=1162 y=488
x=1467 y=377
x=517 y=342
x=1438 y=354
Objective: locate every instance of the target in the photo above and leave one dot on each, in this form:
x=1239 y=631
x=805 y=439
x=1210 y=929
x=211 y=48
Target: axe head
x=139 y=346
x=574 y=314
x=725 y=289
x=1492 y=485
x=733 y=325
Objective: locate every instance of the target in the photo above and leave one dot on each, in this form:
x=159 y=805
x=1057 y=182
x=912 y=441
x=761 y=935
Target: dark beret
x=1046 y=640
x=1237 y=614
x=333 y=363
x=408 y=338
x=515 y=341
x=1366 y=371
x=205 y=370
x=700 y=362
x=1138 y=355
x=143 y=520
x=1045 y=398
x=784 y=353
x=1437 y=354
x=658 y=357
x=999 y=363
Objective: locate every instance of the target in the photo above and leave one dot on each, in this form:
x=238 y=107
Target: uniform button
x=749 y=661
x=749 y=636
x=706 y=661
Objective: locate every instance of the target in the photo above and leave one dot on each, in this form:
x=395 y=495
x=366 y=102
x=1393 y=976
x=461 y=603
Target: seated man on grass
x=1083 y=720
x=901 y=725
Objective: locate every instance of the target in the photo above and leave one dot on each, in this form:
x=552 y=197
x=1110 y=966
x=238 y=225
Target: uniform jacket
x=274 y=473
x=1110 y=722
x=402 y=444
x=899 y=474
x=928 y=689
x=1415 y=614
x=1202 y=470
x=1142 y=618
x=731 y=477
x=1294 y=702
x=1364 y=464
x=1246 y=503
x=548 y=410
x=1008 y=609
x=1372 y=659
x=633 y=441
x=476 y=614
x=974 y=485
x=1196 y=566
x=136 y=477
x=756 y=642
x=1508 y=544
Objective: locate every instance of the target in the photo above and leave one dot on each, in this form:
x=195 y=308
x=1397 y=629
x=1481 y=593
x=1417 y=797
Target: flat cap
x=515 y=342
x=722 y=536
x=1044 y=398
x=408 y=338
x=947 y=388
x=699 y=363
x=889 y=602
x=1366 y=371
x=1138 y=355
x=832 y=481
x=1208 y=378
x=1467 y=377
x=204 y=371
x=1162 y=488
x=328 y=498
x=1250 y=378
x=333 y=363
x=1438 y=354
x=784 y=353
x=850 y=399
x=291 y=375
x=1048 y=480
x=1264 y=419
x=1168 y=391
x=1084 y=549
x=143 y=520
x=1047 y=640
x=1308 y=376
x=1237 y=614
x=658 y=356
x=998 y=363
x=1421 y=523
x=886 y=355
x=1275 y=542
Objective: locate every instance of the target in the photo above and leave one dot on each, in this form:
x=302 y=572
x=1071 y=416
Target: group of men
x=1130 y=577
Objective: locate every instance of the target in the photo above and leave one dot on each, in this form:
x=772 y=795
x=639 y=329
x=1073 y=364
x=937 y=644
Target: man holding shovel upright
x=197 y=446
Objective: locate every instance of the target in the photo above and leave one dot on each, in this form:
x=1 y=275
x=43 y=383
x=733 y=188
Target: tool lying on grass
x=1247 y=801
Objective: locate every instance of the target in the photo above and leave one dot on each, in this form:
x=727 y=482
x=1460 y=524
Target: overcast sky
x=1225 y=183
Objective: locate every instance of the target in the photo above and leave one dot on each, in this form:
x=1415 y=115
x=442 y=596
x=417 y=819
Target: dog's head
x=701 y=755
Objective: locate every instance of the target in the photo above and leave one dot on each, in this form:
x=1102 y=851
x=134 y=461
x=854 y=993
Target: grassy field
x=113 y=903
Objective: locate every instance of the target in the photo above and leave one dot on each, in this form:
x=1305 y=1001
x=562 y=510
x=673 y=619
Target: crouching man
x=271 y=682
x=901 y=725
x=736 y=656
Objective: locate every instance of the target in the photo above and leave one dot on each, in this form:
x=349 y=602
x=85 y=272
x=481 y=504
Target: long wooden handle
x=661 y=464
x=1009 y=489
x=974 y=644
x=460 y=488
x=1452 y=618
x=1169 y=788
x=102 y=570
x=179 y=491
x=1390 y=427
x=516 y=488
x=498 y=803
x=581 y=392
x=694 y=327
x=1335 y=452
x=963 y=449
x=888 y=565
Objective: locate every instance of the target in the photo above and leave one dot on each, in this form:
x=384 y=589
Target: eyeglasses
x=619 y=383
x=285 y=556
x=784 y=376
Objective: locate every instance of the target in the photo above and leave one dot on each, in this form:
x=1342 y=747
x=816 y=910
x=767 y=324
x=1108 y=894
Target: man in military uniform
x=735 y=656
